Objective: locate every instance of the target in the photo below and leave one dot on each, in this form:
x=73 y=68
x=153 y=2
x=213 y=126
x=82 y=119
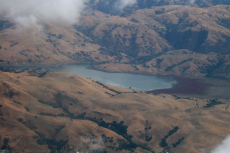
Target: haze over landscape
x=46 y=112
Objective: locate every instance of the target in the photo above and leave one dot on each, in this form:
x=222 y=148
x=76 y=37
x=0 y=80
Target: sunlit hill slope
x=171 y=39
x=44 y=111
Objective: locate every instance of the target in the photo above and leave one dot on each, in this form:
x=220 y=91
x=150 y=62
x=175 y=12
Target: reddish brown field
x=188 y=86
x=198 y=87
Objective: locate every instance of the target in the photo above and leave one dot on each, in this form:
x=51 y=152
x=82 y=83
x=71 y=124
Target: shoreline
x=201 y=87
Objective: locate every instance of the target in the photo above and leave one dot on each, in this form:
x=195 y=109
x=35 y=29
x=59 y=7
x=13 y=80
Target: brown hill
x=44 y=111
x=140 y=39
x=177 y=62
x=159 y=29
x=190 y=28
x=55 y=44
x=121 y=35
x=147 y=34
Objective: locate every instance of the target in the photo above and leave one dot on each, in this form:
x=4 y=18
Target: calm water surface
x=126 y=80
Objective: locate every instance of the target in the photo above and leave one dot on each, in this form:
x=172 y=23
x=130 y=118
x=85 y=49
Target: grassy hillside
x=171 y=39
x=49 y=112
x=54 y=45
x=44 y=111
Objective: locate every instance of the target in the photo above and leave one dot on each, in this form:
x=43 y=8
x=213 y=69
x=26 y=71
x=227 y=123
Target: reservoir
x=125 y=80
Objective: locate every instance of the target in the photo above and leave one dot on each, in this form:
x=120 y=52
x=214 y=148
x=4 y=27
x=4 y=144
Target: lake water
x=126 y=80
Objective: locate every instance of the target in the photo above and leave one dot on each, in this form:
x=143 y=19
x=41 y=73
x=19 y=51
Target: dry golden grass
x=32 y=105
x=141 y=39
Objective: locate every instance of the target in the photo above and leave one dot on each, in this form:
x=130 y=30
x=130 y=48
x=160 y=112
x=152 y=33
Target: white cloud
x=192 y=1
x=91 y=144
x=27 y=13
x=188 y=1
x=224 y=147
x=124 y=3
x=32 y=12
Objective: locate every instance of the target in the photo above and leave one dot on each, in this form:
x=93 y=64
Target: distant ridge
x=164 y=40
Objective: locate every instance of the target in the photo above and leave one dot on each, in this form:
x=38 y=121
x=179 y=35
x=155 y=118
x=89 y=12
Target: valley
x=46 y=106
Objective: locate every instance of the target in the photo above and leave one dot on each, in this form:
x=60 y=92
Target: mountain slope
x=160 y=29
x=112 y=6
x=54 y=44
x=192 y=28
x=119 y=35
x=148 y=34
x=140 y=38
x=64 y=112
